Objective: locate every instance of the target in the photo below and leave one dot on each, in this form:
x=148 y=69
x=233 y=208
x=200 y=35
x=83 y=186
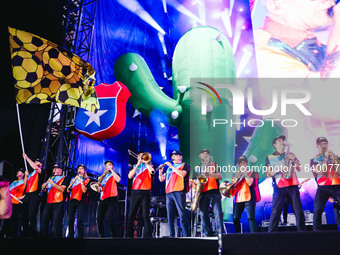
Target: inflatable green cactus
x=204 y=55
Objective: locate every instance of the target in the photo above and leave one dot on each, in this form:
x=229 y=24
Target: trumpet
x=146 y=156
x=334 y=158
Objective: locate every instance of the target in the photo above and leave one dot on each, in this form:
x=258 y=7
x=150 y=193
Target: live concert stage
x=261 y=243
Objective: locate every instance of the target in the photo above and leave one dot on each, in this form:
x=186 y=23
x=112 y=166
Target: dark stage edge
x=285 y=243
x=103 y=246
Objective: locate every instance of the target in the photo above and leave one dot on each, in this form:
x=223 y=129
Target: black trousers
x=279 y=198
x=139 y=197
x=73 y=207
x=237 y=214
x=106 y=207
x=54 y=213
x=31 y=203
x=323 y=193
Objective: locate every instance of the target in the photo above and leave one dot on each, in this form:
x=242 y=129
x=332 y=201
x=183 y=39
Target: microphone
x=330 y=10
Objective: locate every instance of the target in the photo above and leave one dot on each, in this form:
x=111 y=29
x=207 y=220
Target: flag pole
x=20 y=131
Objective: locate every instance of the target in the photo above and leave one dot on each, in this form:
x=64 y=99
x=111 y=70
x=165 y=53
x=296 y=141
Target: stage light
x=179 y=7
x=164 y=6
x=226 y=21
x=161 y=39
x=136 y=8
x=247 y=54
x=238 y=31
x=231 y=7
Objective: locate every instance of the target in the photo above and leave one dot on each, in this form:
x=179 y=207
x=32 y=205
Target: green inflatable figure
x=203 y=58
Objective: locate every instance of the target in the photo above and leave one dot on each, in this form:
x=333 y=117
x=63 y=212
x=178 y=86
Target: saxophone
x=287 y=174
x=200 y=181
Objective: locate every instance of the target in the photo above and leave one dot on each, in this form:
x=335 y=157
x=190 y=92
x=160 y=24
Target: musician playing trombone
x=246 y=196
x=210 y=194
x=326 y=170
x=77 y=189
x=140 y=194
x=176 y=185
x=282 y=167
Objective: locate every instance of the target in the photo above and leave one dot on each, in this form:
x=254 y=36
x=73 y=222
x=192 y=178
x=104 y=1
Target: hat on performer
x=242 y=158
x=39 y=160
x=21 y=170
x=109 y=161
x=175 y=153
x=204 y=150
x=279 y=137
x=321 y=139
x=57 y=166
x=81 y=165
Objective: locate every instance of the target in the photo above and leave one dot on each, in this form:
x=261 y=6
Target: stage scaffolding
x=61 y=136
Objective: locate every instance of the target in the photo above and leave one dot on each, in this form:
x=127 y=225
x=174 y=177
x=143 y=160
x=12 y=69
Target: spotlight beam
x=136 y=8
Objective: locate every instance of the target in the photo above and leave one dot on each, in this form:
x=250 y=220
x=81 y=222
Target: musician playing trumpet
x=210 y=194
x=246 y=196
x=141 y=176
x=282 y=167
x=108 y=197
x=77 y=189
x=327 y=175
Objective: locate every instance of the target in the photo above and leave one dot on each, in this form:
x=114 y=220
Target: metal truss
x=59 y=145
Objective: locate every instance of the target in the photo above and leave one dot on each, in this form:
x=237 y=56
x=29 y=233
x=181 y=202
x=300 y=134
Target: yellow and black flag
x=44 y=72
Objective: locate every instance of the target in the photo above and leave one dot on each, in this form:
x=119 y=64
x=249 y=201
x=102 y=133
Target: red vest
x=174 y=182
x=54 y=195
x=109 y=187
x=76 y=190
x=329 y=176
x=142 y=178
x=17 y=189
x=211 y=183
x=32 y=182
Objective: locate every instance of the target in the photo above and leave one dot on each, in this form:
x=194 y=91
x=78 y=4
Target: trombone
x=146 y=156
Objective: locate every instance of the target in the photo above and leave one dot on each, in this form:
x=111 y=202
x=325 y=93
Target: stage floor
x=288 y=243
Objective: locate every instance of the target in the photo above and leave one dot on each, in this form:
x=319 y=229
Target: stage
x=260 y=243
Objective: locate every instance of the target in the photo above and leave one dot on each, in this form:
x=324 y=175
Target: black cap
x=204 y=150
x=321 y=139
x=242 y=158
x=109 y=161
x=175 y=153
x=21 y=170
x=279 y=137
x=57 y=166
x=39 y=160
x=81 y=165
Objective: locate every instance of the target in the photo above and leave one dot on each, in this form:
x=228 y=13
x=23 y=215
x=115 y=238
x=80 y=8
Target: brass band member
x=210 y=194
x=279 y=164
x=247 y=194
x=108 y=197
x=77 y=189
x=140 y=195
x=176 y=185
x=32 y=198
x=54 y=208
x=327 y=175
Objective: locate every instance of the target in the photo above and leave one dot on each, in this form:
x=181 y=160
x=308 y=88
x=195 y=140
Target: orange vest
x=211 y=183
x=142 y=178
x=109 y=187
x=174 y=182
x=243 y=192
x=17 y=189
x=32 y=182
x=54 y=195
x=329 y=176
x=76 y=190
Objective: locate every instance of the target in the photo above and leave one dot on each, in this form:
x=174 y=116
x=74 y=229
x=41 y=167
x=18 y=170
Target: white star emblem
x=94 y=117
